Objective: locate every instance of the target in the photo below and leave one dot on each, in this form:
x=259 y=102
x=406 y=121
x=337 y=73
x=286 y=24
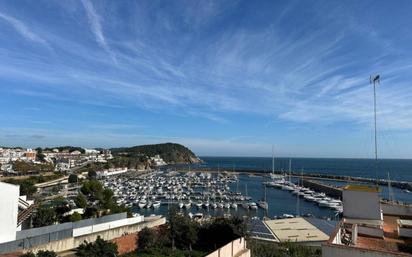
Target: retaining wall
x=110 y=234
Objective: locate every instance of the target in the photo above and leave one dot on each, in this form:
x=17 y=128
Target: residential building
x=303 y=231
x=365 y=229
x=9 y=202
x=111 y=172
x=158 y=161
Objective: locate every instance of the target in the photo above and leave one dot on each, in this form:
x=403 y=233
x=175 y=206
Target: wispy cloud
x=216 y=63
x=96 y=27
x=21 y=28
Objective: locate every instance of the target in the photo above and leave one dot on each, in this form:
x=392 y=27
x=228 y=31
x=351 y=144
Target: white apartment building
x=9 y=202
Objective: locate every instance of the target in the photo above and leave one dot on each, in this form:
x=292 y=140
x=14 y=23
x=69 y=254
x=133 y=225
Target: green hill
x=170 y=152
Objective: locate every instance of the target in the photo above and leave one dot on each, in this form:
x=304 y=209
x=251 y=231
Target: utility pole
x=375 y=80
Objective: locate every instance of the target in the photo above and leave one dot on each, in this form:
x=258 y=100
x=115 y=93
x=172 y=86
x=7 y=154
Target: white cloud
x=96 y=27
x=20 y=27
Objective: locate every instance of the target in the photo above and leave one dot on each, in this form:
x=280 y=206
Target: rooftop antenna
x=375 y=80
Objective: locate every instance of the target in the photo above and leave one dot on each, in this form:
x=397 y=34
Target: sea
x=283 y=202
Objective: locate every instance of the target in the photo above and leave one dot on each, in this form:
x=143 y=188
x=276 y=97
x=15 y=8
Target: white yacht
x=142 y=204
x=199 y=205
x=156 y=204
x=253 y=206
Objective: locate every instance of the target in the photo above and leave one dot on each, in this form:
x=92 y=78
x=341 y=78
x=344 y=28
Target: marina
x=215 y=194
x=201 y=194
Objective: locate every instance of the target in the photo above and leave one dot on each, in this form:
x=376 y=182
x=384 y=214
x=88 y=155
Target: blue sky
x=222 y=77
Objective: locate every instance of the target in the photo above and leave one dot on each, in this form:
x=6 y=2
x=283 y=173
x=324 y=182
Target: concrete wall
x=110 y=234
x=320 y=187
x=396 y=209
x=405 y=232
x=9 y=203
x=374 y=232
x=346 y=251
x=236 y=248
x=361 y=205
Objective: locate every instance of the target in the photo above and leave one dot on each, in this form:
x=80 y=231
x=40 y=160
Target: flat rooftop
x=295 y=230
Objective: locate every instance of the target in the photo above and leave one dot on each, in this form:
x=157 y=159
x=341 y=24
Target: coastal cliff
x=171 y=153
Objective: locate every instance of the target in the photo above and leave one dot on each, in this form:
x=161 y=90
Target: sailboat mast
x=265 y=193
x=273 y=161
x=390 y=192
x=290 y=169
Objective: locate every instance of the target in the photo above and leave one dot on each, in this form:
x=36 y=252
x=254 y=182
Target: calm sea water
x=398 y=169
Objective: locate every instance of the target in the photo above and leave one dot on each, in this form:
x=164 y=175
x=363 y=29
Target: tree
x=60 y=211
x=90 y=212
x=73 y=178
x=188 y=233
x=81 y=200
x=45 y=216
x=99 y=248
x=93 y=189
x=92 y=174
x=27 y=187
x=182 y=230
x=107 y=199
x=75 y=217
x=147 y=238
x=219 y=232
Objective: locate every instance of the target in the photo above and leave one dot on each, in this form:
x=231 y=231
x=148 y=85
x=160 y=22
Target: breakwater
x=382 y=182
x=329 y=190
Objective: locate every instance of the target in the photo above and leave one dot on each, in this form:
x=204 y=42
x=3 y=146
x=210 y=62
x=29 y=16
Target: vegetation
x=73 y=178
x=188 y=238
x=164 y=252
x=169 y=152
x=93 y=189
x=75 y=217
x=80 y=201
x=91 y=174
x=94 y=192
x=219 y=232
x=40 y=253
x=27 y=186
x=267 y=249
x=44 y=216
x=147 y=238
x=99 y=248
x=25 y=167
